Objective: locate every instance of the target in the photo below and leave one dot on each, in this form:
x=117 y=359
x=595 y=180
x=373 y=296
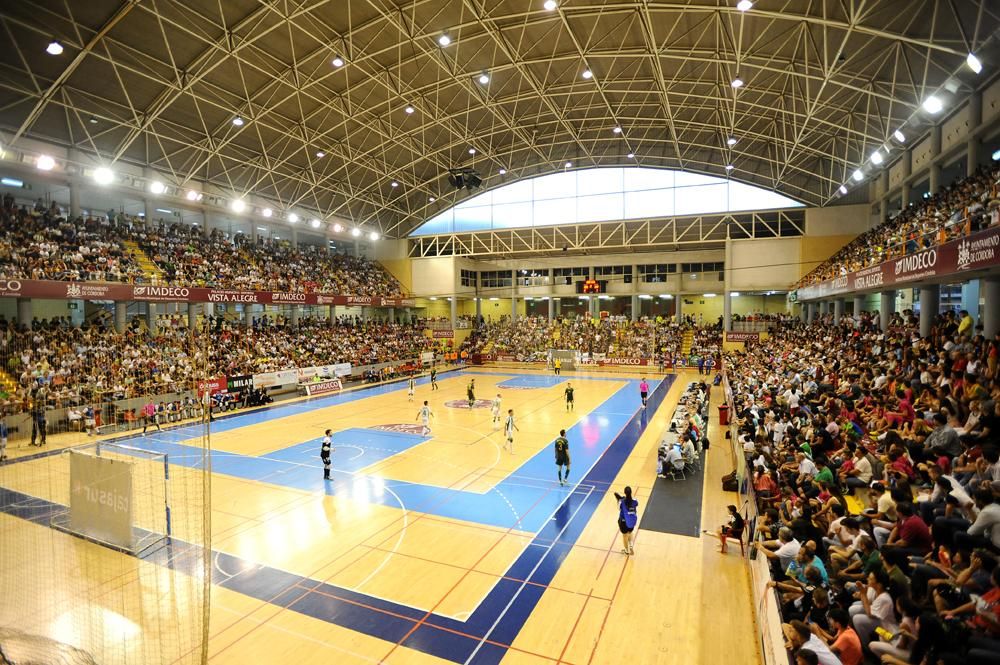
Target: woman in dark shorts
x=628 y=515
x=732 y=530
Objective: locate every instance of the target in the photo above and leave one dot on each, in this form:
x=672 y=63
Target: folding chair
x=674 y=472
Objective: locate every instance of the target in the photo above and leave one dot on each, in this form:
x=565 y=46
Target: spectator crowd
x=968 y=205
x=875 y=461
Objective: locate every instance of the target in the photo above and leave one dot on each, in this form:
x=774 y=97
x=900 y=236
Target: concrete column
x=678 y=306
x=975 y=107
x=149 y=211
x=357 y=247
x=74 y=199
x=810 y=312
x=253 y=232
x=295 y=237
x=479 y=309
x=208 y=309
x=635 y=308
x=392 y=314
x=824 y=307
x=859 y=304
x=454 y=313
x=121 y=309
x=151 y=317
x=592 y=306
x=838 y=310
x=296 y=311
x=552 y=309
x=25 y=312
x=991 y=314
x=513 y=309
x=727 y=311
x=887 y=306
x=192 y=316
x=935 y=170
x=558 y=306
x=970 y=299
x=930 y=303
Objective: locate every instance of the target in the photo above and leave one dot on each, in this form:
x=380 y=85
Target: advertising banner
x=443 y=334
x=237 y=384
x=974 y=252
x=285 y=377
x=323 y=387
x=100 y=503
x=212 y=386
x=742 y=336
x=622 y=361
x=342 y=369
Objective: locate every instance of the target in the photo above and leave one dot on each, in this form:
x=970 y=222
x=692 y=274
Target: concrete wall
x=764 y=264
x=837 y=220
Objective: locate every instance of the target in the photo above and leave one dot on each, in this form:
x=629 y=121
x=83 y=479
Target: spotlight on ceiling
x=550 y=5
x=444 y=40
x=338 y=61
x=103 y=176
x=631 y=155
x=744 y=5
x=394 y=184
x=569 y=165
x=877 y=157
x=933 y=104
x=238 y=205
x=293 y=218
x=238 y=121
x=320 y=154
x=587 y=74
x=617 y=130
x=192 y=195
x=355 y=232
x=266 y=212
x=431 y=199
x=737 y=82
x=464 y=178
x=409 y=109
x=730 y=167
x=899 y=136
x=157 y=187
x=731 y=140
x=45 y=163
x=503 y=171
x=54 y=48
x=338 y=227
x=373 y=236
x=314 y=223
x=974 y=63
x=843 y=189
x=858 y=175
x=484 y=78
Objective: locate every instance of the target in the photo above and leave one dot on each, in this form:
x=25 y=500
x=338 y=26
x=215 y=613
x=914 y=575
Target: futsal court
x=425 y=546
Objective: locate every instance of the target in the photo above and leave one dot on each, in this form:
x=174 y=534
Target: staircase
x=8 y=385
x=686 y=342
x=152 y=273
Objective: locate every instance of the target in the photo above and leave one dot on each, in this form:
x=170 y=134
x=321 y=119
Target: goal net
x=105 y=545
x=568 y=358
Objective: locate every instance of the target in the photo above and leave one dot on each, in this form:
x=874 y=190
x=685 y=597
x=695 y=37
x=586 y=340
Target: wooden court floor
x=425 y=547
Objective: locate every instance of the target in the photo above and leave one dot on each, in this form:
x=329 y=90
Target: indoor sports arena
x=521 y=332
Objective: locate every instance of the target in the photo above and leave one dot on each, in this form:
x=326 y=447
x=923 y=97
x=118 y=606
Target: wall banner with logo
x=237 y=384
x=323 y=387
x=286 y=377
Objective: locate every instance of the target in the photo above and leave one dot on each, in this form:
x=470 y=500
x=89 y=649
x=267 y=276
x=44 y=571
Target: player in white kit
x=509 y=430
x=424 y=415
x=495 y=409
x=411 y=385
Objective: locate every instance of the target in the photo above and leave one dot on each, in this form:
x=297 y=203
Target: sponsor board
x=323 y=387
x=161 y=293
x=342 y=369
x=237 y=384
x=279 y=298
x=742 y=337
x=285 y=377
x=218 y=295
x=443 y=334
x=212 y=386
x=622 y=361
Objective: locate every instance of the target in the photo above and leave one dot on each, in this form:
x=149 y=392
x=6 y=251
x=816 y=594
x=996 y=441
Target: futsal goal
x=118 y=497
x=568 y=358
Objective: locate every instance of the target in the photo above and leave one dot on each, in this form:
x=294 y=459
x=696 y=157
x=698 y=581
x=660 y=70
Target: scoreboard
x=592 y=286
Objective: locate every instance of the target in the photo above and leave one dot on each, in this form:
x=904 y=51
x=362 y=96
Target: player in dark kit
x=562 y=457
x=471 y=393
x=434 y=378
x=324 y=454
x=569 y=396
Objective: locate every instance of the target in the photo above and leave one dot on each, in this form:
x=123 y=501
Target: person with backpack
x=628 y=517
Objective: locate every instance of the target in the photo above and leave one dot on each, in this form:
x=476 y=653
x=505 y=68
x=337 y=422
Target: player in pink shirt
x=644 y=391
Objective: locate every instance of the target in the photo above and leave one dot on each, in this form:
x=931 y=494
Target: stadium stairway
x=149 y=269
x=686 y=342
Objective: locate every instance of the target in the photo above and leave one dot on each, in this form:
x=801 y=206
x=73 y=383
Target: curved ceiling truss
x=158 y=83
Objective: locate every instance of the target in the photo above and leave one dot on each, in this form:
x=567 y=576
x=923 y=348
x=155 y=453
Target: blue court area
x=532 y=381
x=528 y=499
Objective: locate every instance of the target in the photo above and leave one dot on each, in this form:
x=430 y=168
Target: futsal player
x=569 y=396
x=411 y=385
x=509 y=430
x=324 y=454
x=471 y=392
x=495 y=409
x=425 y=414
x=562 y=456
x=434 y=378
x=644 y=391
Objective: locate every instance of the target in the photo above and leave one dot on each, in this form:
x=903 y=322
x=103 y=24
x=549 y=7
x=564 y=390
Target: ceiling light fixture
x=843 y=189
x=45 y=163
x=266 y=212
x=338 y=227
x=432 y=199
x=239 y=205
x=444 y=40
x=320 y=154
x=569 y=165
x=293 y=218
x=192 y=195
x=157 y=187
x=484 y=78
x=373 y=236
x=355 y=232
x=631 y=155
x=103 y=176
x=587 y=74
x=92 y=120
x=338 y=61
x=238 y=121
x=503 y=171
x=933 y=104
x=394 y=184
x=877 y=158
x=731 y=140
x=54 y=48
x=974 y=63
x=550 y=5
x=315 y=223
x=472 y=151
x=744 y=5
x=858 y=175
x=729 y=167
x=409 y=110
x=737 y=82
x=617 y=130
x=899 y=136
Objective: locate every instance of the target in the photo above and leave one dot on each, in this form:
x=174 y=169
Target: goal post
x=118 y=496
